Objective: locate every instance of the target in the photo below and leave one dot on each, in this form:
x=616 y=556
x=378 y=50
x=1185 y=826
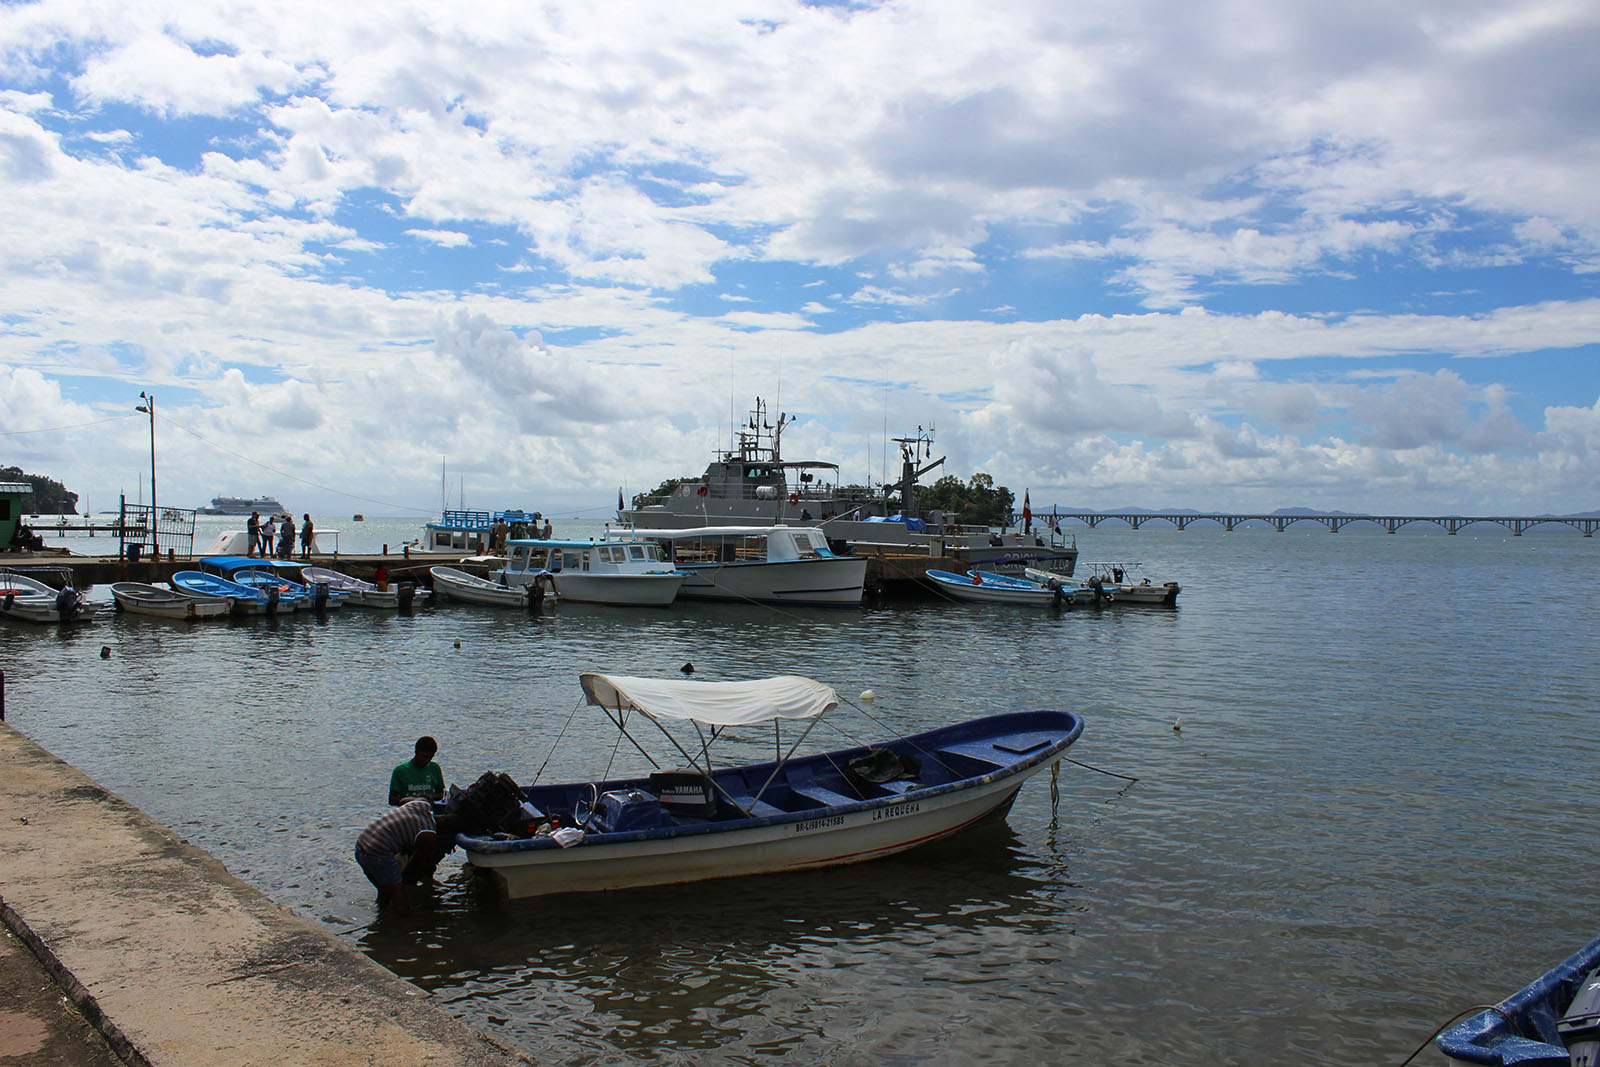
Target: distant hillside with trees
x=49 y=497
x=977 y=502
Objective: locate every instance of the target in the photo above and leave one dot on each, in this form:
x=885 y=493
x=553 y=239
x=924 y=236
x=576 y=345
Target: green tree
x=49 y=497
x=976 y=502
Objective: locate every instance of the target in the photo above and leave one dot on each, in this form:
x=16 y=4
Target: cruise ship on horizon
x=238 y=505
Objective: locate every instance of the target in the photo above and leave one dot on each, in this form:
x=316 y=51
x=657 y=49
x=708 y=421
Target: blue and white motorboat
x=986 y=587
x=245 y=599
x=269 y=574
x=1553 y=1021
x=618 y=572
x=461 y=532
x=789 y=814
x=759 y=564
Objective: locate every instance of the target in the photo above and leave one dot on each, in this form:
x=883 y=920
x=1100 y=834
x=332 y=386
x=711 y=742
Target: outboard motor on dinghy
x=406 y=594
x=1580 y=1026
x=319 y=596
x=68 y=603
x=272 y=600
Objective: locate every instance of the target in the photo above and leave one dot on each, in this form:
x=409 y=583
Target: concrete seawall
x=175 y=961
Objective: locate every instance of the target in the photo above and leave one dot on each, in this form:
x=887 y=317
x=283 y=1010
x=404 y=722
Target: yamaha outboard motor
x=405 y=595
x=1580 y=1026
x=68 y=603
x=272 y=600
x=319 y=596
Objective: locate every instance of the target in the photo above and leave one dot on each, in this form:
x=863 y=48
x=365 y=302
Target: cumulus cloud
x=251 y=205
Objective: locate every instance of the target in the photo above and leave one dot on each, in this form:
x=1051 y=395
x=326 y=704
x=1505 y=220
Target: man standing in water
x=418 y=778
x=404 y=844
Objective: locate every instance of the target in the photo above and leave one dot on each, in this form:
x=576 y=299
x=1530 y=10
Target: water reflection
x=730 y=964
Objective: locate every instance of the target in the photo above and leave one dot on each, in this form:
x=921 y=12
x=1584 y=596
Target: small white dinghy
x=364 y=594
x=138 y=598
x=459 y=585
x=25 y=597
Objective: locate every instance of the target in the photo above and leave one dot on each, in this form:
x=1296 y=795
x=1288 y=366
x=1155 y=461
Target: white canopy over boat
x=712 y=703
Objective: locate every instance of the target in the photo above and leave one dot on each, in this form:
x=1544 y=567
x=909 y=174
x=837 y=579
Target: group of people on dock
x=261 y=536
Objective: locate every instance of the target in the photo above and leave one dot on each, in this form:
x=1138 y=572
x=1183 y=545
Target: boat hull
x=831 y=582
x=1525 y=1027
x=458 y=585
x=962 y=587
x=623 y=590
x=139 y=599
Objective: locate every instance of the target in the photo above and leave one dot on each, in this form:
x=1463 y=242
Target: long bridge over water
x=1334 y=522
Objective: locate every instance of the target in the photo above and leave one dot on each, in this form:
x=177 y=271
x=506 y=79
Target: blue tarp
x=914 y=525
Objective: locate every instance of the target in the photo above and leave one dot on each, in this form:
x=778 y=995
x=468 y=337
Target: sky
x=1234 y=255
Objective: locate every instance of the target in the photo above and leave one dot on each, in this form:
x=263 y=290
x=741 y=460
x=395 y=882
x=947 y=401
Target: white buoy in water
x=868 y=696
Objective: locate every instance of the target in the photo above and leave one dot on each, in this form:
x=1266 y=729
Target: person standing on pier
x=306 y=536
x=269 y=530
x=252 y=530
x=286 y=539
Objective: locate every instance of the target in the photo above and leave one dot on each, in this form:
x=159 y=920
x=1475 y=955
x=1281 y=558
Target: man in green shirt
x=418 y=777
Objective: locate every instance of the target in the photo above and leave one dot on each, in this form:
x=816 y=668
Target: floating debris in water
x=687 y=668
x=105 y=651
x=868 y=696
x=458 y=642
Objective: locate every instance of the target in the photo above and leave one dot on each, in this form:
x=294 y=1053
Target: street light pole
x=149 y=408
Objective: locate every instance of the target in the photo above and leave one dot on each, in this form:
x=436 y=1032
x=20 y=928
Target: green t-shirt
x=407 y=781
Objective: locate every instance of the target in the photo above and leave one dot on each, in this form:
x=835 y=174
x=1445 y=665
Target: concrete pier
x=174 y=960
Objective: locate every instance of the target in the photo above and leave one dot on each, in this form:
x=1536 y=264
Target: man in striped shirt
x=410 y=831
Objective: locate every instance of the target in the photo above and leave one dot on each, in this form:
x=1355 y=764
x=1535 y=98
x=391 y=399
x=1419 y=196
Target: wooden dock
x=899 y=576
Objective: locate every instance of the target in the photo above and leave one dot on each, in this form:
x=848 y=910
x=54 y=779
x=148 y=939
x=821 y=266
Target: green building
x=12 y=494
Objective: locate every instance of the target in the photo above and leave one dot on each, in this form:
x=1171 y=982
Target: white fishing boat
x=619 y=572
x=751 y=484
x=139 y=598
x=1127 y=587
x=25 y=597
x=459 y=585
x=364 y=594
x=789 y=814
x=985 y=587
x=461 y=532
x=760 y=565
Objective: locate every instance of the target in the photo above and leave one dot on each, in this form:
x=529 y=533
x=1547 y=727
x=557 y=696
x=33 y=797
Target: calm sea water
x=1376 y=811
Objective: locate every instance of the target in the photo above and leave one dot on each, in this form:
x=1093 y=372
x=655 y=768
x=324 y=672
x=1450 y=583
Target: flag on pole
x=1027 y=512
x=619 y=500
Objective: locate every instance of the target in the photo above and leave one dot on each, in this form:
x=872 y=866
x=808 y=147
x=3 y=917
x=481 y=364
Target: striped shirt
x=394 y=833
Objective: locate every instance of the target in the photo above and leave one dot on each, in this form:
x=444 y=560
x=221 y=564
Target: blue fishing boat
x=246 y=599
x=986 y=587
x=266 y=575
x=1553 y=1021
x=793 y=813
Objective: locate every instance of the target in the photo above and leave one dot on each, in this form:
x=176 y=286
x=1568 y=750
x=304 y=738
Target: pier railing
x=1389 y=523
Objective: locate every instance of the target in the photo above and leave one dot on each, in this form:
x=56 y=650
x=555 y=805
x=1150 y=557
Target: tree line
x=49 y=497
